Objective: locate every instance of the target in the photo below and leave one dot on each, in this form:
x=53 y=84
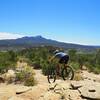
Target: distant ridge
x=26 y=42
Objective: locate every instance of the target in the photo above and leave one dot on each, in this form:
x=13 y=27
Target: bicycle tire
x=66 y=74
x=51 y=76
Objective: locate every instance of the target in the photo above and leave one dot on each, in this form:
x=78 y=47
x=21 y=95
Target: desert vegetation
x=25 y=72
x=38 y=58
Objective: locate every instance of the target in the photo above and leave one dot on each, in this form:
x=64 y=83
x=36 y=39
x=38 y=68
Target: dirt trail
x=60 y=90
x=41 y=79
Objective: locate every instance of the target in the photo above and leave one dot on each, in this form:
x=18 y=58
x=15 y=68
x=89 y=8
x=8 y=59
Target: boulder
x=91 y=76
x=22 y=89
x=10 y=75
x=90 y=91
x=60 y=84
x=77 y=84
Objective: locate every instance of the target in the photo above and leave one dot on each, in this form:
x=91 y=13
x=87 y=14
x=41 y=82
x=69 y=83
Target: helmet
x=56 y=51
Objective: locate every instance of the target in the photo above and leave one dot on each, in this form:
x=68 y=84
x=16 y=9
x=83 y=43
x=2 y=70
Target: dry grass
x=78 y=76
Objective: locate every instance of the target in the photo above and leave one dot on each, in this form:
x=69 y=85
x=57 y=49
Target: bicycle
x=67 y=73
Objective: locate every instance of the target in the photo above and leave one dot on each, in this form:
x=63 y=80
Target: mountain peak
x=38 y=36
x=32 y=41
x=31 y=37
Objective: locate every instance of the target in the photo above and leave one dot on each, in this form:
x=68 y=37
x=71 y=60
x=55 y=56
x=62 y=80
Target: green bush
x=93 y=68
x=48 y=67
x=30 y=81
x=96 y=70
x=20 y=76
x=26 y=76
x=38 y=58
x=8 y=60
x=75 y=65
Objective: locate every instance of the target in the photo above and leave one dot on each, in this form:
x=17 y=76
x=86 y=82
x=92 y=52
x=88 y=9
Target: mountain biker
x=63 y=58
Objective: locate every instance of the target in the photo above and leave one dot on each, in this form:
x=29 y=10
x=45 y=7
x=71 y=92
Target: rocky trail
x=86 y=89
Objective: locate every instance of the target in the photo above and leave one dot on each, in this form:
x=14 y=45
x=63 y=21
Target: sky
x=70 y=21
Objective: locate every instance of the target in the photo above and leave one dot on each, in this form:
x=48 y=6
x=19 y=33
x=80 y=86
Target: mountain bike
x=66 y=72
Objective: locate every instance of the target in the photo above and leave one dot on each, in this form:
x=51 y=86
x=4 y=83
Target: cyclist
x=63 y=58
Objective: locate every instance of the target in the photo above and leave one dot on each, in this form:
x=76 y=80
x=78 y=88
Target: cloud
x=4 y=35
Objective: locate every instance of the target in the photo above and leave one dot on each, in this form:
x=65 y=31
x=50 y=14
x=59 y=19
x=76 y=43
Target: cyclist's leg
x=58 y=69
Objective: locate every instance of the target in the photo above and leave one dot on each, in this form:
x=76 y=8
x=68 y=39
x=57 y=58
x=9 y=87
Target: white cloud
x=4 y=35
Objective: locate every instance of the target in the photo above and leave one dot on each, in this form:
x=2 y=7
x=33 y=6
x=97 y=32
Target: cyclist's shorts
x=64 y=59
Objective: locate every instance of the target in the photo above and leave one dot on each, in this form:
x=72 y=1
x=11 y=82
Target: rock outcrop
x=9 y=76
x=86 y=89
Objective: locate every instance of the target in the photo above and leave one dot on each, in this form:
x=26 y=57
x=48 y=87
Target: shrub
x=75 y=66
x=96 y=70
x=26 y=76
x=20 y=76
x=36 y=66
x=7 y=60
x=78 y=76
x=48 y=67
x=30 y=81
x=45 y=68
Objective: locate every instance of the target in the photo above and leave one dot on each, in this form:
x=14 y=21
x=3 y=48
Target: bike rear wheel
x=67 y=73
x=51 y=76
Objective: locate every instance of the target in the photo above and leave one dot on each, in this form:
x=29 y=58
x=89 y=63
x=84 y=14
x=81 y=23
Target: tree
x=12 y=56
x=97 y=57
x=72 y=54
x=81 y=59
x=7 y=60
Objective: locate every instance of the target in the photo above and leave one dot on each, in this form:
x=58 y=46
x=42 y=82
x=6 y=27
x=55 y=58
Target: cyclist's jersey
x=60 y=54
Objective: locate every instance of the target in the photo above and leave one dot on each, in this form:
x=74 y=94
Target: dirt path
x=41 y=79
x=60 y=90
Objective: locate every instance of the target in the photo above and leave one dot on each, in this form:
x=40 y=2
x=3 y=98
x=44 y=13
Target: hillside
x=36 y=41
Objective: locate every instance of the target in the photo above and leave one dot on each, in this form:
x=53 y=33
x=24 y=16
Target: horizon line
x=9 y=36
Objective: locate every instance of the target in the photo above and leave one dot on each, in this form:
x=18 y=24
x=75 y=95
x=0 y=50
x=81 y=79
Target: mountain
x=26 y=42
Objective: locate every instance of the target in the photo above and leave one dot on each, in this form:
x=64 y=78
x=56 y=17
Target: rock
x=65 y=85
x=10 y=75
x=11 y=72
x=72 y=95
x=22 y=89
x=91 y=76
x=51 y=96
x=90 y=91
x=77 y=84
x=61 y=84
x=36 y=92
x=84 y=68
x=59 y=87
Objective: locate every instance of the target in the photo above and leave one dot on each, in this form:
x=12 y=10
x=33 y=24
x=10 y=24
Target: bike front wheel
x=51 y=76
x=68 y=73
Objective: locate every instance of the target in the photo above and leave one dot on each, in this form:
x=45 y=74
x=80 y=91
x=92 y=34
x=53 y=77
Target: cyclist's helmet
x=56 y=51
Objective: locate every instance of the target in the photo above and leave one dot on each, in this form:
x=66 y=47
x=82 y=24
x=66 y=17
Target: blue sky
x=73 y=21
